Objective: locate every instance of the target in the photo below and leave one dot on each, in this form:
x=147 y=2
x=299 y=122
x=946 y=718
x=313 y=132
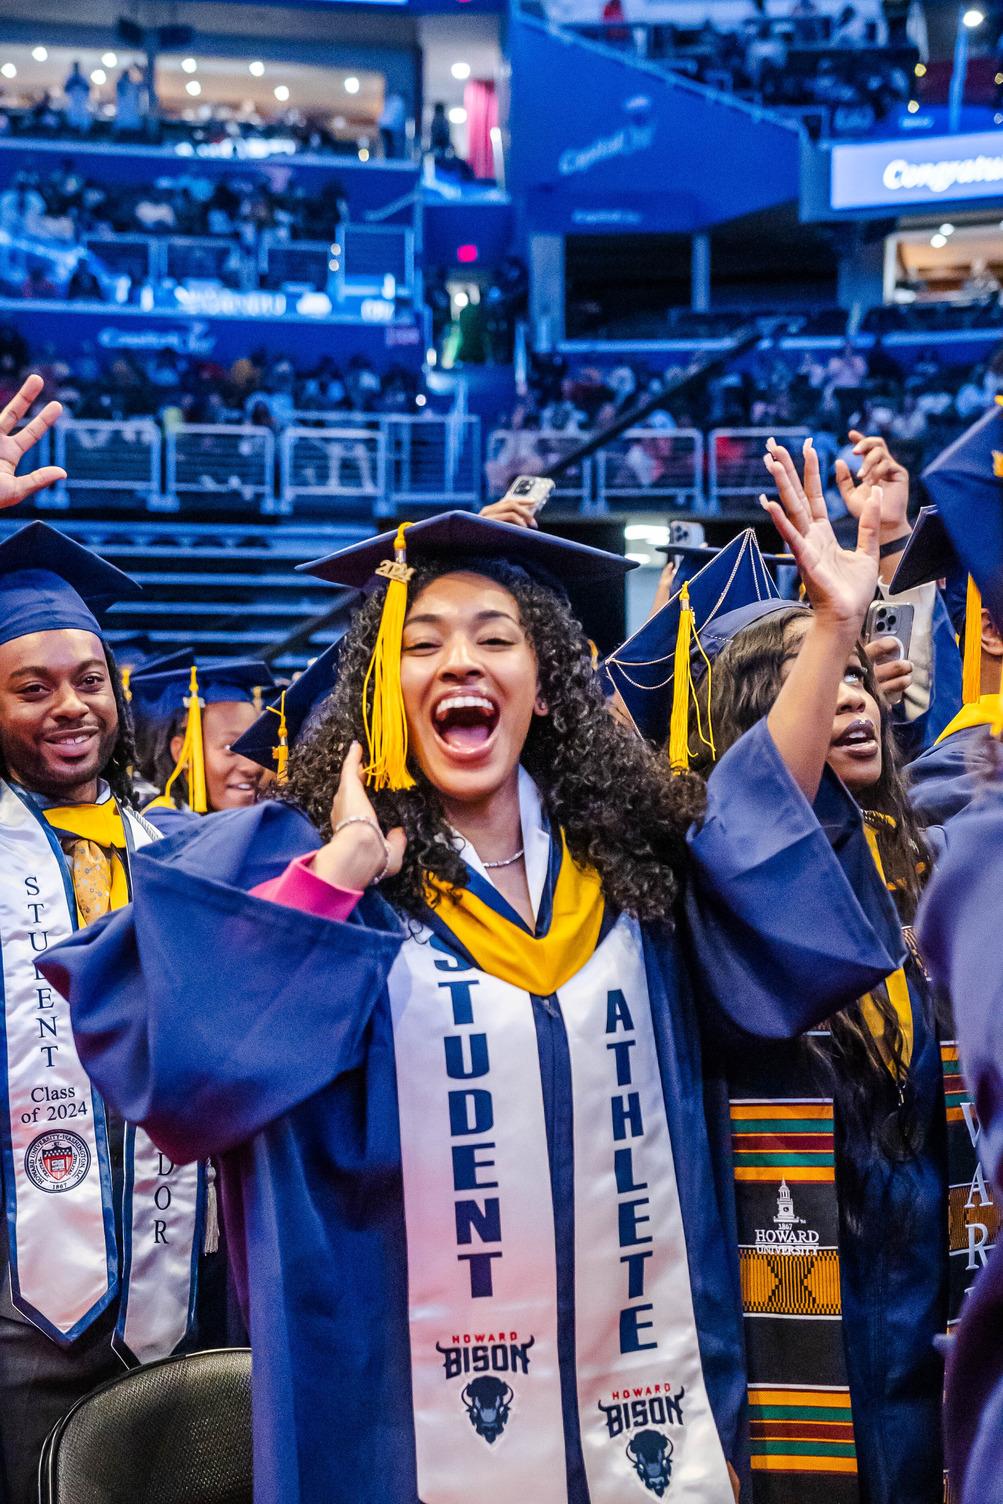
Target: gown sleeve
x=958 y=928
x=203 y=1013
x=787 y=918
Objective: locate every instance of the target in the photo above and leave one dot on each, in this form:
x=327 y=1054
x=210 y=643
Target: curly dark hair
x=620 y=809
x=876 y=1104
x=117 y=772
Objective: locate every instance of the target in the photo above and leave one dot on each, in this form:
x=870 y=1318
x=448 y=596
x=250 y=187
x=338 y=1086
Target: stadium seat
x=173 y=1432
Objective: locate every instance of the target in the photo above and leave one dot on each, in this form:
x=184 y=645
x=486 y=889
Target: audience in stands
x=846 y=68
x=260 y=388
x=921 y=407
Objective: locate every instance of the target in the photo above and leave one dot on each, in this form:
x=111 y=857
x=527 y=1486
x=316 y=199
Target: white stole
x=64 y=1266
x=482 y=1254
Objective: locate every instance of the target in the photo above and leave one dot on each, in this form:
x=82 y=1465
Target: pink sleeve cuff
x=299 y=887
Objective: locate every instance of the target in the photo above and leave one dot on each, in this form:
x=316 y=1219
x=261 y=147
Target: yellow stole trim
x=981 y=712
x=895 y=984
x=535 y=963
x=101 y=823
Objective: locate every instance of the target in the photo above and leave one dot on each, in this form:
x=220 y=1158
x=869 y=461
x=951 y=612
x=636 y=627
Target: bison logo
x=488 y=1403
x=651 y=1453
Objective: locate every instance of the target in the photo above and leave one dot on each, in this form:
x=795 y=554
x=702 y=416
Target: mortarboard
x=965 y=483
x=655 y=669
x=268 y=740
x=49 y=583
x=189 y=688
x=928 y=555
x=463 y=537
x=163 y=688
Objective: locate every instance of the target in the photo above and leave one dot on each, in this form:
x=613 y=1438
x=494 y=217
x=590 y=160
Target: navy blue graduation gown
x=232 y=1026
x=946 y=778
x=958 y=925
x=914 y=736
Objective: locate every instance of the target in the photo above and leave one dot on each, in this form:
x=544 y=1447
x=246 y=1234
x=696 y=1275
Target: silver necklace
x=493 y=866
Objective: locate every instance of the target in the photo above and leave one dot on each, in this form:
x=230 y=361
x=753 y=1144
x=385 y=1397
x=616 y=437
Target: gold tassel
x=386 y=724
x=971 y=682
x=679 y=722
x=126 y=676
x=191 y=759
x=280 y=752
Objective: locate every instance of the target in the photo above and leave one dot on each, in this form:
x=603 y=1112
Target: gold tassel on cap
x=683 y=690
x=280 y=752
x=386 y=723
x=191 y=760
x=971 y=674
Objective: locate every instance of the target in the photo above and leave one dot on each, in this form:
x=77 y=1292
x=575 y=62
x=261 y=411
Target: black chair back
x=173 y=1432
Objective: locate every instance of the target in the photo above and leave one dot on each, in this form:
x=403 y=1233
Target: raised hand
x=14 y=446
x=839 y=582
x=878 y=467
x=512 y=509
x=359 y=853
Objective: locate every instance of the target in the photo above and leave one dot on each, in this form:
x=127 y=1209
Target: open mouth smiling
x=465 y=723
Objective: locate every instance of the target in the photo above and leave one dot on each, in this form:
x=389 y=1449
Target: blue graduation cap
x=188 y=689
x=965 y=483
x=163 y=688
x=656 y=670
x=268 y=740
x=464 y=538
x=49 y=583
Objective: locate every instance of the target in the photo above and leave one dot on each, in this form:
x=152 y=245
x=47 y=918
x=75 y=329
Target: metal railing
x=359 y=261
x=104 y=456
x=372 y=254
x=735 y=472
x=220 y=463
x=649 y=467
x=430 y=460
x=525 y=451
x=339 y=470
x=358 y=465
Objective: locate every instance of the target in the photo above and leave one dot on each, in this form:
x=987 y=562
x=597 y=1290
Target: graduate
x=845 y=1142
x=966 y=483
x=957 y=925
x=188 y=717
x=439 y=1012
x=102 y=1240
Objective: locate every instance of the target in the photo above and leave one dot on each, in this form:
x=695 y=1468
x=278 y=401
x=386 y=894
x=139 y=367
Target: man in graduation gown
x=468 y=1181
x=103 y=1233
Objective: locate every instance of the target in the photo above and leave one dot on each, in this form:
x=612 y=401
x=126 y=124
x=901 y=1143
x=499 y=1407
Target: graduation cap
x=466 y=539
x=269 y=739
x=156 y=664
x=190 y=687
x=965 y=483
x=49 y=583
x=657 y=669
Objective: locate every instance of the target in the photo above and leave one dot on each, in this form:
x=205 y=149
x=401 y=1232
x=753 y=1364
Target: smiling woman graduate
x=467 y=1172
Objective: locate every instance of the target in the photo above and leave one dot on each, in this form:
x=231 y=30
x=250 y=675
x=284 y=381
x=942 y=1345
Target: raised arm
x=14 y=446
x=840 y=584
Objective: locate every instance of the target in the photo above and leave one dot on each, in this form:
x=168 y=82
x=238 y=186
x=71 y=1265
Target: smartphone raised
x=890 y=619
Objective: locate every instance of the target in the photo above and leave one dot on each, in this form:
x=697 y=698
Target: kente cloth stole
x=801 y=1425
x=512 y=1048
x=802 y=1441
x=59 y=869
